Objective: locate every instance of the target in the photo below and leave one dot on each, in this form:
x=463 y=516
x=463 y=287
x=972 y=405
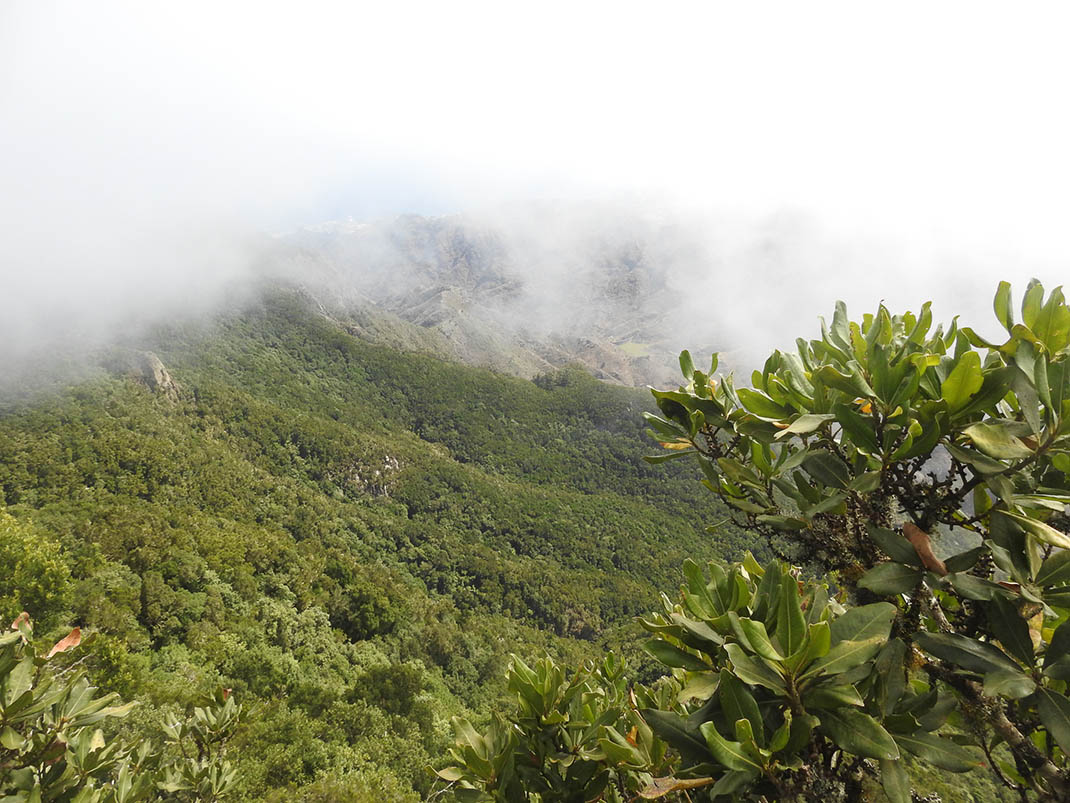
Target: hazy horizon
x=825 y=152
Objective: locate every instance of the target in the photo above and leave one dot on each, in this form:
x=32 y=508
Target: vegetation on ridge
x=351 y=538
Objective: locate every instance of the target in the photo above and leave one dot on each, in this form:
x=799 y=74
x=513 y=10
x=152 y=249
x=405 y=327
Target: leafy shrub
x=853 y=455
x=51 y=751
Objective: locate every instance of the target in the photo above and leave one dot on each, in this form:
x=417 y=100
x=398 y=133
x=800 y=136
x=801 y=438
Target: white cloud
x=935 y=132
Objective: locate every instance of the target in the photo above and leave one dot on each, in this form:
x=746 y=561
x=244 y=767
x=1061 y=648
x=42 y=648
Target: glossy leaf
x=940 y=752
x=1010 y=629
x=895 y=781
x=859 y=734
x=894 y=545
x=965 y=652
x=864 y=622
x=673 y=656
x=891 y=578
x=728 y=754
x=1054 y=710
x=846 y=655
x=963 y=382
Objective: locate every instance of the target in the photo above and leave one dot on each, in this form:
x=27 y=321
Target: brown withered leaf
x=659 y=787
x=68 y=642
x=1036 y=626
x=919 y=539
x=21 y=619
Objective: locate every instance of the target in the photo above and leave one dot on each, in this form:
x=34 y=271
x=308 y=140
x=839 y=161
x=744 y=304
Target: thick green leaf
x=673 y=656
x=678 y=731
x=761 y=405
x=758 y=638
x=895 y=546
x=738 y=703
x=1031 y=303
x=1038 y=529
x=1059 y=645
x=983 y=463
x=1054 y=710
x=942 y=753
x=779 y=740
x=698 y=686
x=858 y=428
x=866 y=483
x=1010 y=547
x=1012 y=684
x=964 y=561
x=975 y=588
x=846 y=655
x=696 y=634
x=687 y=365
x=805 y=424
x=831 y=696
x=827 y=469
x=618 y=750
x=853 y=384
x=864 y=622
x=895 y=781
x=968 y=653
x=891 y=578
x=1058 y=669
x=728 y=754
x=859 y=734
x=1000 y=440
x=963 y=382
x=790 y=623
x=1010 y=629
x=732 y=783
x=753 y=671
x=816 y=645
x=889 y=668
x=1002 y=306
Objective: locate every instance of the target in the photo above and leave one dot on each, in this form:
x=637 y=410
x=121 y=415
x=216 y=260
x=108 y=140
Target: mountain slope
x=522 y=294
x=351 y=537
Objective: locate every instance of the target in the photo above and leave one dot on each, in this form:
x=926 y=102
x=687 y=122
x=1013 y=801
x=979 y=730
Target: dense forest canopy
x=297 y=555
x=351 y=538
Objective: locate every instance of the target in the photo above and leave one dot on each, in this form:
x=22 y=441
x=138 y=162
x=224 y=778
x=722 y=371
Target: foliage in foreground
x=857 y=447
x=52 y=750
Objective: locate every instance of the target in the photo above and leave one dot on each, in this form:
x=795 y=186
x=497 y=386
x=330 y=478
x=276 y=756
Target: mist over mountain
x=523 y=295
x=523 y=289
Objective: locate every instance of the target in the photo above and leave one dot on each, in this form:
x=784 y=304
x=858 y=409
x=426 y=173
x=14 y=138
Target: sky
x=890 y=151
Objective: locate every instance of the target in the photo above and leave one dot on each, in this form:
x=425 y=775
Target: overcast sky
x=137 y=139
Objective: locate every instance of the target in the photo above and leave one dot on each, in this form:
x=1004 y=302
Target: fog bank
x=774 y=157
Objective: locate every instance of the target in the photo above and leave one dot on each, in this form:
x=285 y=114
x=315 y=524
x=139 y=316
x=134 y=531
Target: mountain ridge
x=500 y=296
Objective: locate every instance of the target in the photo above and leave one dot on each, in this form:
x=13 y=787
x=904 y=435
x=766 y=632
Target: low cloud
x=776 y=158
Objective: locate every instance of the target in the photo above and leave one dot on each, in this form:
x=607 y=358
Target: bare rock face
x=155 y=376
x=523 y=296
x=145 y=368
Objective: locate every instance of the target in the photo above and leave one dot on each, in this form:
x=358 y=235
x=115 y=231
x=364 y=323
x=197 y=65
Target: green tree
x=35 y=578
x=925 y=475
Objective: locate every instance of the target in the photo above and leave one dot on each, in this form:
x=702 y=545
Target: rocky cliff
x=520 y=298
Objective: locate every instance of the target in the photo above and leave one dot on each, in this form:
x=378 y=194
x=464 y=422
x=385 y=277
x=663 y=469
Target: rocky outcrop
x=145 y=368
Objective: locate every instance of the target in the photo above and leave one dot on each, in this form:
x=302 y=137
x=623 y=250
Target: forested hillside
x=351 y=538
